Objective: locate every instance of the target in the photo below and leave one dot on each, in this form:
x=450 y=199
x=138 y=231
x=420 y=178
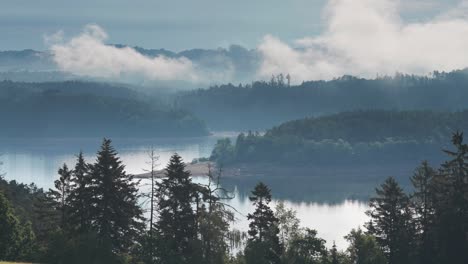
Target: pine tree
x=391 y=222
x=80 y=198
x=176 y=227
x=263 y=245
x=116 y=216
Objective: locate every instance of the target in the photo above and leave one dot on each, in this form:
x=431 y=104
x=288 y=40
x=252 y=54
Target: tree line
x=262 y=104
x=350 y=137
x=94 y=215
x=56 y=109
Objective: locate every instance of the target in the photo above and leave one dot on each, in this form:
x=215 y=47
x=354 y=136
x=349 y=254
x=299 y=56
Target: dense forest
x=130 y=110
x=93 y=215
x=86 y=109
x=376 y=136
x=260 y=105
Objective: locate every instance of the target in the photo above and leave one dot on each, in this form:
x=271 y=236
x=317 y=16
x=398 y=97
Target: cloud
x=369 y=37
x=88 y=55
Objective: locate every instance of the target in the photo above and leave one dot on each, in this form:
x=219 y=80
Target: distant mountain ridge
x=240 y=61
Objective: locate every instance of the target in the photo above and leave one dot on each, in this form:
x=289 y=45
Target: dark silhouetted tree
x=81 y=197
x=452 y=205
x=176 y=228
x=422 y=202
x=116 y=216
x=390 y=222
x=263 y=245
x=61 y=193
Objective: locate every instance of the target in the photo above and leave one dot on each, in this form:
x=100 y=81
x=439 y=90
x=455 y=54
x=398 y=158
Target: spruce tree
x=116 y=216
x=176 y=228
x=422 y=202
x=81 y=197
x=390 y=222
x=452 y=205
x=263 y=245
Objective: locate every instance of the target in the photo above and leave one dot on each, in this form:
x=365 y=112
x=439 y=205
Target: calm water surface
x=37 y=160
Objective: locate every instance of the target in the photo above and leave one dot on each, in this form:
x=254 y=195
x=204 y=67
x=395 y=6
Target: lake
x=326 y=206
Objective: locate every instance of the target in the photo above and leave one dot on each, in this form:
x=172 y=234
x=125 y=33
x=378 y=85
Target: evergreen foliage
x=423 y=202
x=263 y=245
x=116 y=215
x=451 y=204
x=391 y=222
x=61 y=192
x=176 y=227
x=93 y=216
x=81 y=196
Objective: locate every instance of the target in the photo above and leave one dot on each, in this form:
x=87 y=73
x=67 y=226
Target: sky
x=177 y=24
x=308 y=39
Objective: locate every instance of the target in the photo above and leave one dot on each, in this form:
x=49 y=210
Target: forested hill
x=261 y=105
x=361 y=137
x=86 y=109
x=378 y=125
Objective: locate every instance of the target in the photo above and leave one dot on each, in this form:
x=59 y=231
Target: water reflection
x=37 y=160
x=332 y=201
x=332 y=221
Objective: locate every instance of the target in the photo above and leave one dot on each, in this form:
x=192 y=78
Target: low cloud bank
x=364 y=38
x=88 y=55
x=368 y=38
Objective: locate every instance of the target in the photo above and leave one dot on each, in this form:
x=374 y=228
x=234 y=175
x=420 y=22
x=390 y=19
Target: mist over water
x=37 y=160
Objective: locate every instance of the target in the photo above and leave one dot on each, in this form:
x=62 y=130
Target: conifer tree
x=422 y=202
x=176 y=227
x=116 y=216
x=391 y=223
x=81 y=197
x=61 y=192
x=263 y=245
x=452 y=205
